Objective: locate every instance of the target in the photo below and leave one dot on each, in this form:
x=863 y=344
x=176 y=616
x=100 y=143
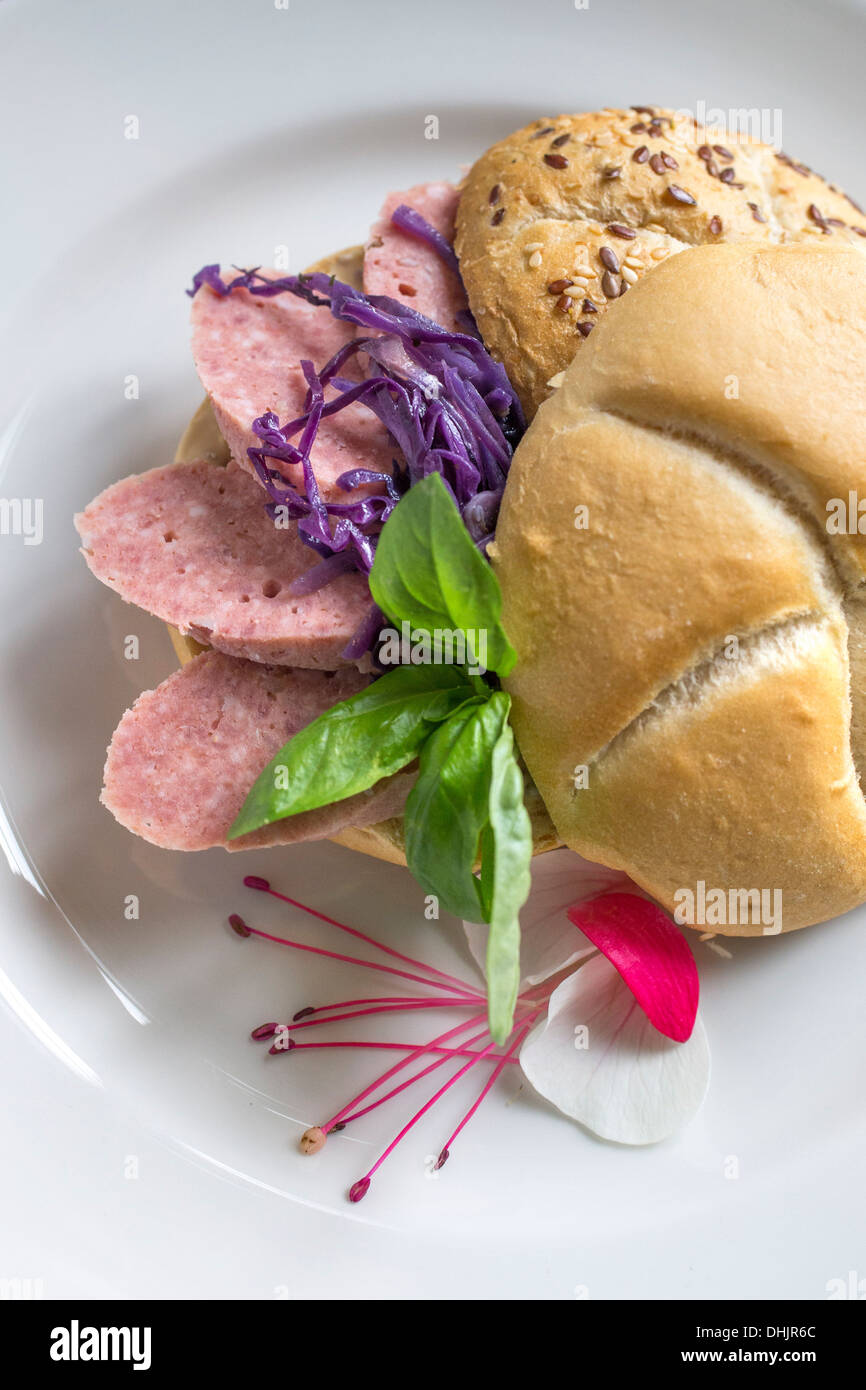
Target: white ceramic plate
x=261 y=126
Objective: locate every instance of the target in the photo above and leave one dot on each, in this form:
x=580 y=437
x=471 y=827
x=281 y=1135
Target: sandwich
x=557 y=420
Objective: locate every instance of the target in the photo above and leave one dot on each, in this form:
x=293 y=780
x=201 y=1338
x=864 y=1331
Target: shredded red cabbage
x=408 y=220
x=445 y=403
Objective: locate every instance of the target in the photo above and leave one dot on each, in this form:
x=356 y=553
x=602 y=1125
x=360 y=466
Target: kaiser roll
x=689 y=615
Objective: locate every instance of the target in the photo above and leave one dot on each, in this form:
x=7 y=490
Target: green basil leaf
x=506 y=856
x=448 y=807
x=429 y=573
x=354 y=744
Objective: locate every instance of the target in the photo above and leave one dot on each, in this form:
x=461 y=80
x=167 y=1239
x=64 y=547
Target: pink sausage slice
x=183 y=758
x=247 y=353
x=406 y=268
x=192 y=544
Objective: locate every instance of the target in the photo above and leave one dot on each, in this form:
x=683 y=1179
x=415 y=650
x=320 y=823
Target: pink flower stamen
x=449 y=1045
x=396 y=1008
x=361 y=1187
x=447 y=1052
x=467 y=1051
x=350 y=1003
x=350 y=960
x=417 y=1052
x=261 y=885
x=445 y=1152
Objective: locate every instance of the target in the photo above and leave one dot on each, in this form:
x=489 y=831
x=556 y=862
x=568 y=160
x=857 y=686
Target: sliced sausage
x=248 y=351
x=184 y=757
x=192 y=544
x=406 y=268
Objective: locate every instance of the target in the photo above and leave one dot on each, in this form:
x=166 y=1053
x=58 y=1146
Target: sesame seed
x=634 y=261
x=574 y=291
x=533 y=246
x=609 y=285
x=609 y=259
x=556 y=161
x=556 y=381
x=661 y=252
x=497 y=217
x=558 y=286
x=641 y=155
x=535 y=260
x=656 y=227
x=584 y=328
x=629 y=275
x=680 y=195
x=719 y=950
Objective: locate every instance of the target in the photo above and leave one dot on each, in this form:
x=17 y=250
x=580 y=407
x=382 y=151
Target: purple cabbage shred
x=447 y=406
x=410 y=221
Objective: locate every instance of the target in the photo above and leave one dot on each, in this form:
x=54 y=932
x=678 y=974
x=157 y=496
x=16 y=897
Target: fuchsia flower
x=606 y=1024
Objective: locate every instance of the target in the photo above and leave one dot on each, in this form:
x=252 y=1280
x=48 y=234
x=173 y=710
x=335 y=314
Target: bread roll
x=560 y=218
x=685 y=622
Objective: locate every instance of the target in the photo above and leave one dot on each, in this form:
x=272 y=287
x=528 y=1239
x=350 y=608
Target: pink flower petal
x=653 y=958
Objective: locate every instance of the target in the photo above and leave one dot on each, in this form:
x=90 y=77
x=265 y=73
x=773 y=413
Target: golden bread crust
x=553 y=201
x=688 y=644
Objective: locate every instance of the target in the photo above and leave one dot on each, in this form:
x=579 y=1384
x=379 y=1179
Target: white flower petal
x=598 y=1058
x=549 y=941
